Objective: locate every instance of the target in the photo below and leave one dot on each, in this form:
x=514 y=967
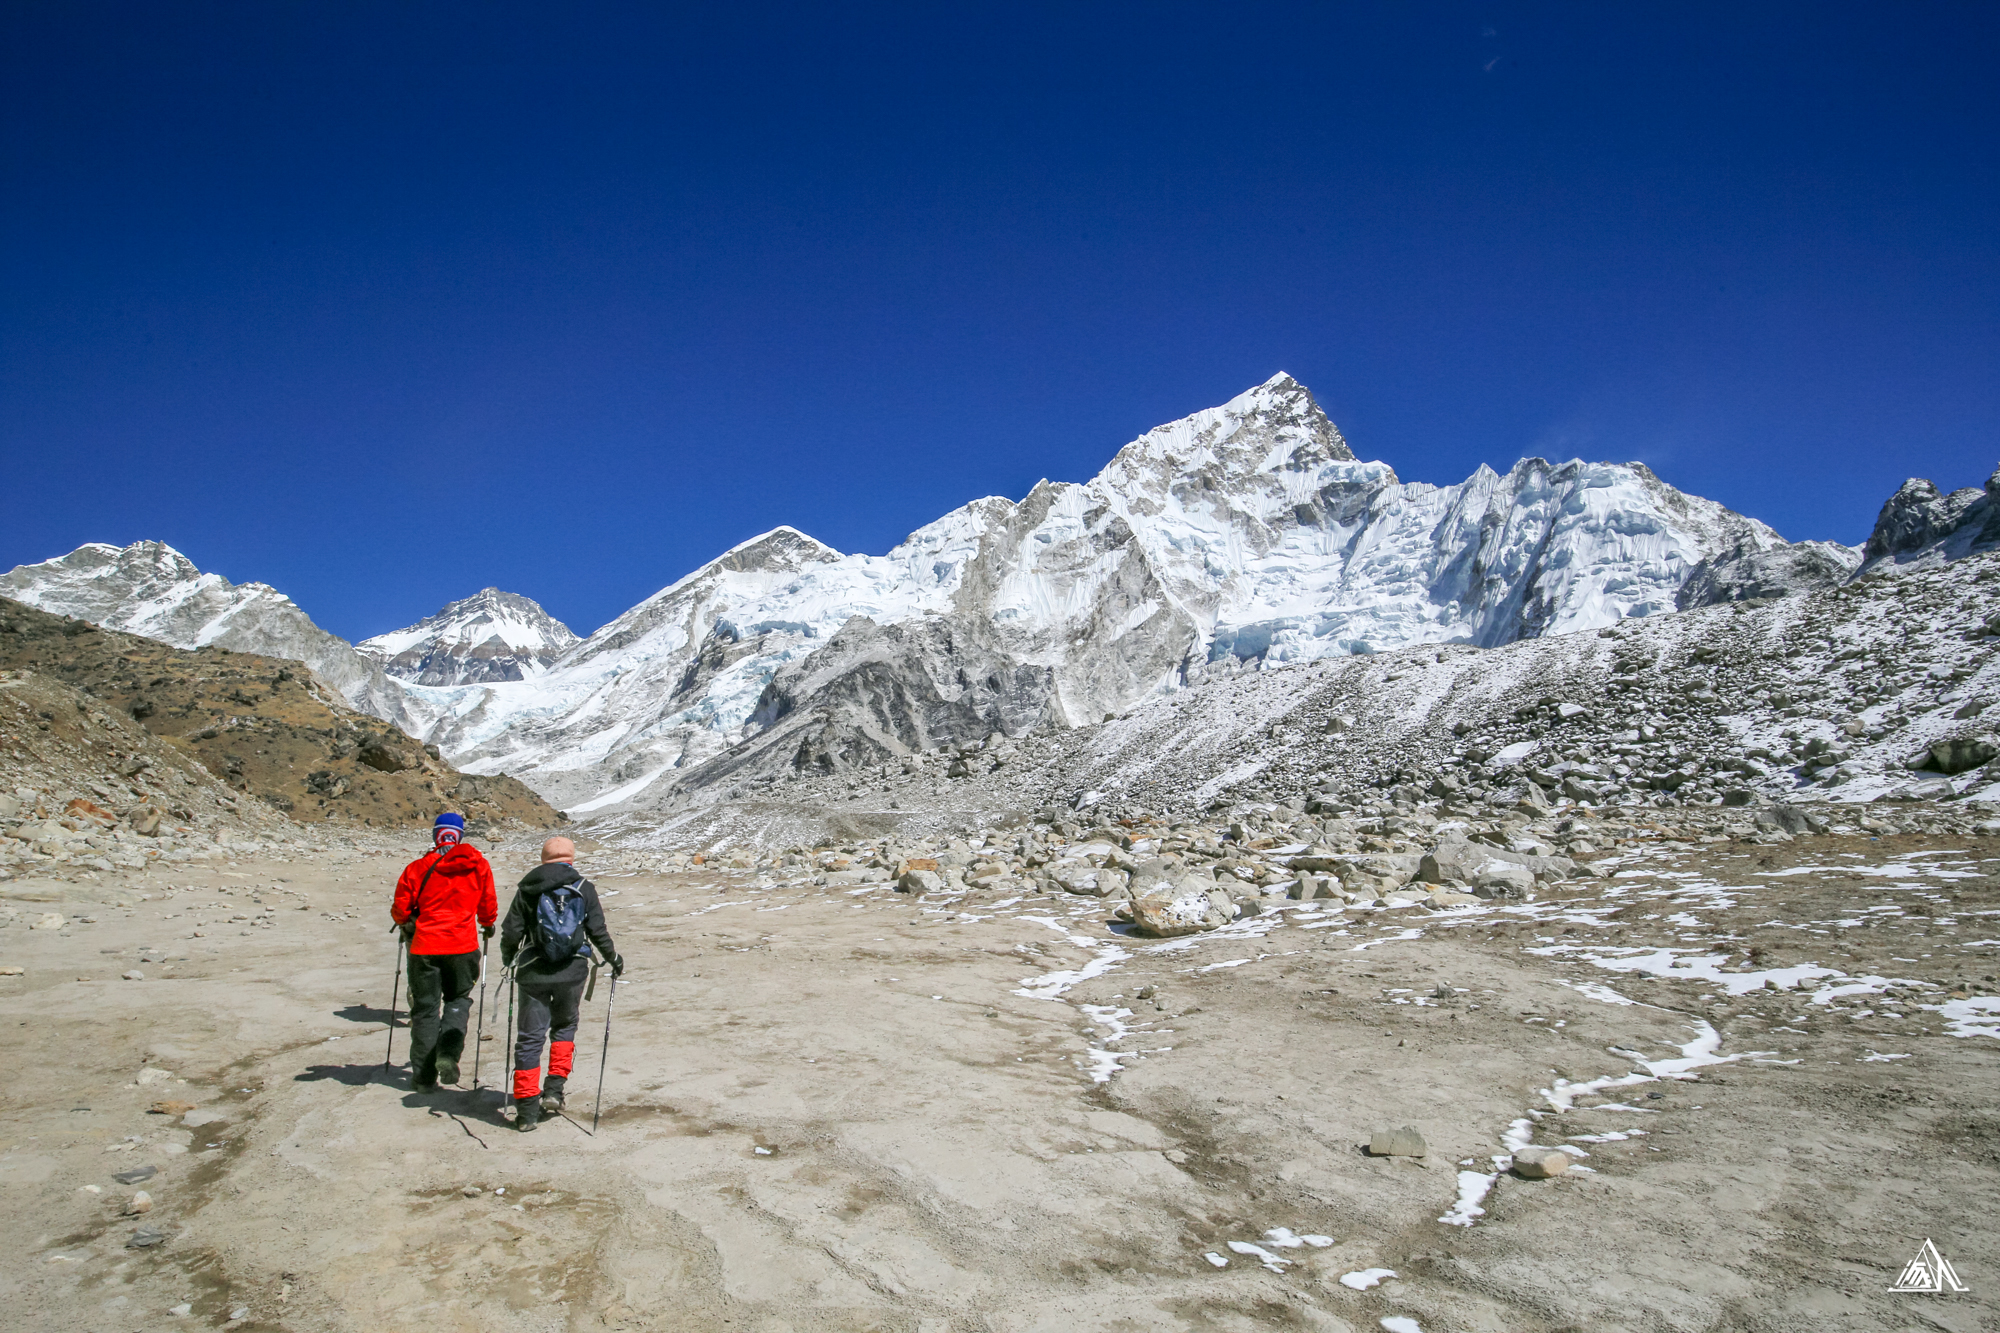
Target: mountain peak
x=782 y=548
x=1275 y=427
x=490 y=636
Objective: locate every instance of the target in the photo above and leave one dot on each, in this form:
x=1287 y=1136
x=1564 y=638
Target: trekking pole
x=395 y=987
x=513 y=1040
x=479 y=1023
x=604 y=1055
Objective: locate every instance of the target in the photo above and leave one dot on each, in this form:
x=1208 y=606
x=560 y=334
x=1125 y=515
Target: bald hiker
x=554 y=920
x=445 y=902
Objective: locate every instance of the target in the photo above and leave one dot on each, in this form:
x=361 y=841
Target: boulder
x=1962 y=754
x=1443 y=898
x=1787 y=818
x=383 y=757
x=1541 y=1163
x=1464 y=862
x=919 y=881
x=1404 y=1142
x=1186 y=909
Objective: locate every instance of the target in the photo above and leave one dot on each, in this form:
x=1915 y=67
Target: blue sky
x=384 y=303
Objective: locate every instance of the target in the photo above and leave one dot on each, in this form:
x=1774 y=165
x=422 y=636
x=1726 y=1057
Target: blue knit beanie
x=450 y=819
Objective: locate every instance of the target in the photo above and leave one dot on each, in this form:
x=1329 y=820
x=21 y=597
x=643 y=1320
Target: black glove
x=408 y=930
x=486 y=934
x=617 y=966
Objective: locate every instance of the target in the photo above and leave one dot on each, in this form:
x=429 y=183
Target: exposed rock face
x=1920 y=526
x=149 y=588
x=489 y=636
x=1748 y=575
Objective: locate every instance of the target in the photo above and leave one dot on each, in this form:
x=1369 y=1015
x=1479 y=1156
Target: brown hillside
x=264 y=726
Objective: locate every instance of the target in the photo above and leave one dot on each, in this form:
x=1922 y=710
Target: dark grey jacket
x=517 y=932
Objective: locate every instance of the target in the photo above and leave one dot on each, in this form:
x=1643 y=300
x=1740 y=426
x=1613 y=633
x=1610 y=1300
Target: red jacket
x=459 y=888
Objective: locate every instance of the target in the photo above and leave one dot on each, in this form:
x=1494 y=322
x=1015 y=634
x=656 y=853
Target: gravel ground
x=841 y=1108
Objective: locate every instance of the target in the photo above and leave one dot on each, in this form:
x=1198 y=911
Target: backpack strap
x=417 y=898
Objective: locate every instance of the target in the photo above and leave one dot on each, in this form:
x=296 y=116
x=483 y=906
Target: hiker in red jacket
x=439 y=898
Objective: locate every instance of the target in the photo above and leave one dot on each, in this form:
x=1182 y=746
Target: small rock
x=1540 y=1163
x=140 y=1202
x=181 y=1311
x=470 y=1191
x=170 y=1108
x=240 y=1312
x=1404 y=1142
x=145 y=1239
x=134 y=975
x=147 y=1076
x=133 y=1175
x=13 y=970
x=49 y=921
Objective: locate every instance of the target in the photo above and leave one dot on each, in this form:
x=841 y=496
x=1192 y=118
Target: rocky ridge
x=273 y=735
x=150 y=589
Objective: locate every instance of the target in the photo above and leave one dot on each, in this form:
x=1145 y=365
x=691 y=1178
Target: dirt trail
x=838 y=1109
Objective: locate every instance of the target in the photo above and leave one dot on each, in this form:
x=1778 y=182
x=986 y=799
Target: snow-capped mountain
x=1243 y=536
x=149 y=588
x=489 y=636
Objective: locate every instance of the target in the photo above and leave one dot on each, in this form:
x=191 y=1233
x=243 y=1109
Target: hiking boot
x=552 y=1095
x=447 y=1068
x=423 y=1085
x=527 y=1113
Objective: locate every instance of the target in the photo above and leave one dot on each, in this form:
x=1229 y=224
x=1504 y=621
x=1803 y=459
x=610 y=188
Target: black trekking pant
x=550 y=1002
x=439 y=982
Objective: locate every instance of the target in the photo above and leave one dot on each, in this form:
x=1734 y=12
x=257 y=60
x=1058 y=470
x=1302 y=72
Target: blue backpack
x=559 y=914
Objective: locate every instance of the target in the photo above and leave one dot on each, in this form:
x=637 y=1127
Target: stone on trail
x=132 y=1175
x=170 y=1108
x=145 y=1239
x=49 y=921
x=132 y=976
x=1404 y=1142
x=1540 y=1163
x=140 y=1202
x=920 y=881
